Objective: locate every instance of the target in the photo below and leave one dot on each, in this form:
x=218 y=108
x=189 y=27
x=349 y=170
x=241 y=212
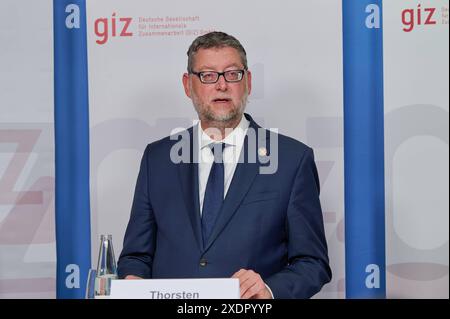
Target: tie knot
x=217 y=150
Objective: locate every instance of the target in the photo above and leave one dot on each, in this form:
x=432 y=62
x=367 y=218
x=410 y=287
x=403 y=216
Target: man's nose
x=221 y=84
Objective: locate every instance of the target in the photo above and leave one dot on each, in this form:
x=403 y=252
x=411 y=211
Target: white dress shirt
x=234 y=143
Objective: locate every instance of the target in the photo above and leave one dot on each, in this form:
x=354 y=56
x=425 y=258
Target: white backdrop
x=136 y=94
x=27 y=231
x=416 y=149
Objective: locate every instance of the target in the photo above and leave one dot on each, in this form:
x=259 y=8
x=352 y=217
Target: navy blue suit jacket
x=270 y=223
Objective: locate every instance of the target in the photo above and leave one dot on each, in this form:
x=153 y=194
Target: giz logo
x=101 y=28
x=412 y=17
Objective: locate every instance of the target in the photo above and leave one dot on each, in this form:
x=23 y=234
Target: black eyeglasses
x=211 y=77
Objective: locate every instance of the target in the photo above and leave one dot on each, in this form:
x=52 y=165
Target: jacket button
x=203 y=262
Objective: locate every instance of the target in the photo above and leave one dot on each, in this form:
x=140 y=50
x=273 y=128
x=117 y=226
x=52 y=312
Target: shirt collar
x=235 y=138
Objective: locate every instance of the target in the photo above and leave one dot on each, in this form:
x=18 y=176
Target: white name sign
x=214 y=288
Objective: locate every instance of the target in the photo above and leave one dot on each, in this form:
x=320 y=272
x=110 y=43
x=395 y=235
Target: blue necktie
x=214 y=192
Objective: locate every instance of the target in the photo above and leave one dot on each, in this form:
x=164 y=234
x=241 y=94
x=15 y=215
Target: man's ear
x=187 y=85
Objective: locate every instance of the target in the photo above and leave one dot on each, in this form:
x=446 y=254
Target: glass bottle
x=106 y=267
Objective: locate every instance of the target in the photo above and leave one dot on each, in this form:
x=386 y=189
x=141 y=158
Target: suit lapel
x=188 y=173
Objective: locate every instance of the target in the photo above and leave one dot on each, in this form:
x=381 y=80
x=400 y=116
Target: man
x=217 y=214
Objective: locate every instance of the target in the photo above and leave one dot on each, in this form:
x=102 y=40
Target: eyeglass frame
x=198 y=74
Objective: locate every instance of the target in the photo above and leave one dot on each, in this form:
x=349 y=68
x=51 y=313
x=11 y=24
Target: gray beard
x=205 y=111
